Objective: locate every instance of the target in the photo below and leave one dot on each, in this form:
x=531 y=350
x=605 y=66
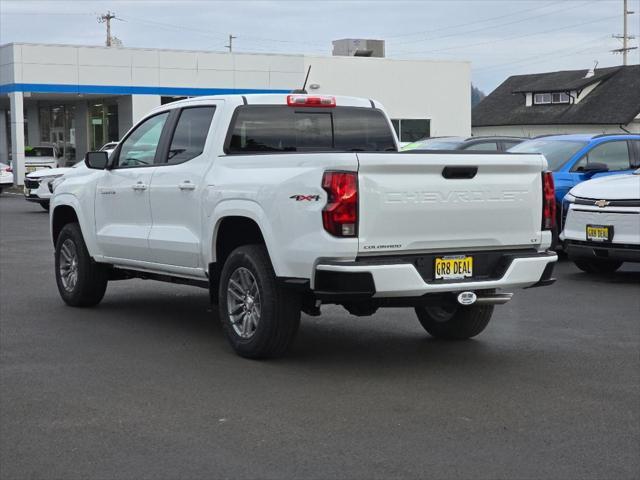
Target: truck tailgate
x=435 y=201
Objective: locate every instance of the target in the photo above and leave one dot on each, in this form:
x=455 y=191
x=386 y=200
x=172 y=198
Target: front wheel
x=81 y=281
x=455 y=322
x=45 y=205
x=596 y=265
x=259 y=317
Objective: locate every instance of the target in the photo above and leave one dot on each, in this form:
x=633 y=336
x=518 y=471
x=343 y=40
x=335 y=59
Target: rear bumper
x=623 y=253
x=369 y=278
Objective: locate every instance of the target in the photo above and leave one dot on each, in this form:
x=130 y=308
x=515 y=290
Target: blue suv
x=576 y=158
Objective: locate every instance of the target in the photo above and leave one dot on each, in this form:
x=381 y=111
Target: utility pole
x=106 y=18
x=230 y=46
x=625 y=37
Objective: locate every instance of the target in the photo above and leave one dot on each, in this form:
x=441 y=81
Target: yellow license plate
x=453 y=267
x=599 y=233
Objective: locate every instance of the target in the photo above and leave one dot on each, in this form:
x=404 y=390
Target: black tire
x=590 y=265
x=91 y=278
x=45 y=205
x=455 y=322
x=279 y=308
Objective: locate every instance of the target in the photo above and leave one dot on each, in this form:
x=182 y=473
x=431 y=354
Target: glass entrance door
x=103 y=124
x=58 y=128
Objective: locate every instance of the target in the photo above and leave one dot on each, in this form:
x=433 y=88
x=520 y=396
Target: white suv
x=38 y=185
x=602 y=228
x=280 y=203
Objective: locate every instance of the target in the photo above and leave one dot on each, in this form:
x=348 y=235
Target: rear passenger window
x=507 y=144
x=483 y=147
x=278 y=129
x=190 y=134
x=615 y=155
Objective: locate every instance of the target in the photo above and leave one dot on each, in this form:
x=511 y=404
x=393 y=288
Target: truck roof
x=271 y=99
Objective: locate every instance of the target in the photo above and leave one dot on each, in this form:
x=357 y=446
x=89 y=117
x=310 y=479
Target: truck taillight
x=548 y=201
x=310 y=101
x=340 y=215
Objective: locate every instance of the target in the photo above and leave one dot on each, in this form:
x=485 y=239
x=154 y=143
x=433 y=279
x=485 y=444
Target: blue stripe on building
x=129 y=90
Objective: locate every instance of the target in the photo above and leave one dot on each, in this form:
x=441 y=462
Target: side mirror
x=96 y=160
x=595 y=167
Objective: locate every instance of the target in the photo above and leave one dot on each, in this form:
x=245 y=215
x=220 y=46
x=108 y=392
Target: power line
x=48 y=14
x=489 y=27
x=504 y=39
x=173 y=26
x=547 y=55
x=475 y=22
x=211 y=34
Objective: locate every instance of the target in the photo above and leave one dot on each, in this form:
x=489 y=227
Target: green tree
x=476 y=96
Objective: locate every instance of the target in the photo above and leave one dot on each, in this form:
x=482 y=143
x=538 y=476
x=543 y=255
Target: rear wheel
x=259 y=317
x=455 y=322
x=81 y=281
x=590 y=265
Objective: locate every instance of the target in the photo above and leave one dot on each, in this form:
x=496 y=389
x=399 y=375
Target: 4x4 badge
x=305 y=198
x=601 y=203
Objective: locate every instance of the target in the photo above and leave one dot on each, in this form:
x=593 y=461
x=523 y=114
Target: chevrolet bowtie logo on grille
x=601 y=203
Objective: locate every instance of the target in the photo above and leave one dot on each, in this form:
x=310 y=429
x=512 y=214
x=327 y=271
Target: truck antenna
x=304 y=85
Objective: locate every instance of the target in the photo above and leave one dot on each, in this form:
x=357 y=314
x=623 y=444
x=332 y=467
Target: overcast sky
x=499 y=37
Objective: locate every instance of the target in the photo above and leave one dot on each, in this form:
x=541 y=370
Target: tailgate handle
x=459 y=172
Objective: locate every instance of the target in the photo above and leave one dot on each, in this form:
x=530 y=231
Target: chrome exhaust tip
x=470 y=298
x=467 y=298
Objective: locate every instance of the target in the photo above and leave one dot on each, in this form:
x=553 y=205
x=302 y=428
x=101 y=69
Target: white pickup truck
x=280 y=203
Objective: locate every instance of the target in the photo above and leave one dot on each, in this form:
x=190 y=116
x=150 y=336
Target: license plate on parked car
x=599 y=233
x=453 y=267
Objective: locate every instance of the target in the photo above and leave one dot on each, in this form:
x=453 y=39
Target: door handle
x=186 y=185
x=139 y=186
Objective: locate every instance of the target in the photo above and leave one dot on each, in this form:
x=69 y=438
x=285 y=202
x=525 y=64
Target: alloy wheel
x=68 y=265
x=243 y=302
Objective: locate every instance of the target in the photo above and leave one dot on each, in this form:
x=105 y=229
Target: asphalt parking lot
x=145 y=386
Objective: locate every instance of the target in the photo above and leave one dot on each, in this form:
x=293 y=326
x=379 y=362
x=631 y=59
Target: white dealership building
x=80 y=97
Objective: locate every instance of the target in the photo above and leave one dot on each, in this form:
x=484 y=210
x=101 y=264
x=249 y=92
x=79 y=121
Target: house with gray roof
x=605 y=100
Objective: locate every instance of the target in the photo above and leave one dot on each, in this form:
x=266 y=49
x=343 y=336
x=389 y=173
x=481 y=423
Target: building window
x=542 y=98
x=559 y=97
x=58 y=128
x=411 y=130
x=547 y=98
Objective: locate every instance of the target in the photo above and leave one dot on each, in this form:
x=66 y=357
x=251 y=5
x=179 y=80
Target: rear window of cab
x=282 y=129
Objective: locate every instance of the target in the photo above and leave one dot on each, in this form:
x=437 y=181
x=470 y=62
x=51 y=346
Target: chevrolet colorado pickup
x=281 y=203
